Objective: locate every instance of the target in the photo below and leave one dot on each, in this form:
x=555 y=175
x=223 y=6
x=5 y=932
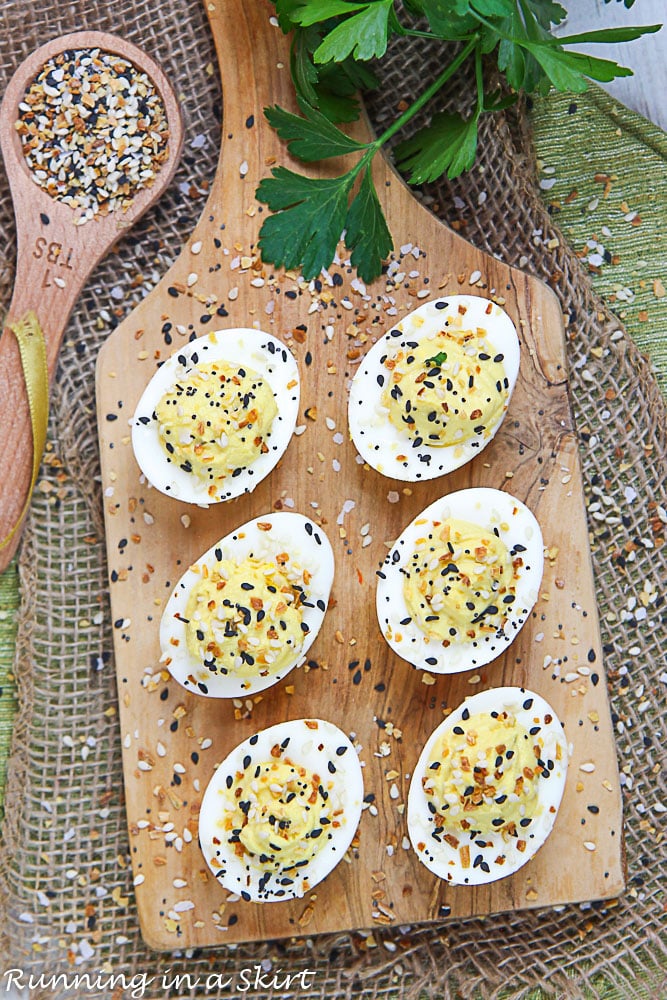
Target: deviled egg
x=461 y=580
x=217 y=416
x=431 y=393
x=248 y=610
x=485 y=792
x=281 y=810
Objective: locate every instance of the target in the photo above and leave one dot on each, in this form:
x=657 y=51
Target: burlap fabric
x=64 y=862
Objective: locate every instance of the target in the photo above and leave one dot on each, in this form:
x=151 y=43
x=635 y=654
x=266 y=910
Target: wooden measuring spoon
x=353 y=679
x=54 y=259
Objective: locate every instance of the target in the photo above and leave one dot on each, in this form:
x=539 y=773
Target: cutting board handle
x=254 y=61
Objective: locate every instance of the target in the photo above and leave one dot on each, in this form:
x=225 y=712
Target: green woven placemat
x=603 y=175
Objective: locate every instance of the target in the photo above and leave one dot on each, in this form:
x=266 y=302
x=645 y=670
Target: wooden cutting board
x=172 y=740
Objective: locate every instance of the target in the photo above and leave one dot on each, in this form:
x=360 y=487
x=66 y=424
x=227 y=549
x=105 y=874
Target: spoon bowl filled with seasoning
x=91 y=134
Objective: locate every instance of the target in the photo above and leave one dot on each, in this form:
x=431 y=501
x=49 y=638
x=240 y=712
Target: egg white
x=290 y=532
x=443 y=859
x=324 y=750
x=376 y=438
x=266 y=356
x=491 y=509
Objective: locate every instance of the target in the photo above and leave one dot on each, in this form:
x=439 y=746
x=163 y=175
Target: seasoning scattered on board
x=333 y=347
x=93 y=131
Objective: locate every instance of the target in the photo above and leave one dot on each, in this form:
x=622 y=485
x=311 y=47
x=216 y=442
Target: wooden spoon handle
x=46 y=286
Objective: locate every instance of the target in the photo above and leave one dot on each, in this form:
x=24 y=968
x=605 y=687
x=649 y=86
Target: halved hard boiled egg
x=461 y=580
x=282 y=810
x=485 y=792
x=217 y=416
x=248 y=610
x=432 y=392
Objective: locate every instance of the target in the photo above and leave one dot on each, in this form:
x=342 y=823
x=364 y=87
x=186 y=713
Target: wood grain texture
x=55 y=258
x=534 y=455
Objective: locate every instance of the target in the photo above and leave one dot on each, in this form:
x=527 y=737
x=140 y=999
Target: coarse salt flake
x=348 y=505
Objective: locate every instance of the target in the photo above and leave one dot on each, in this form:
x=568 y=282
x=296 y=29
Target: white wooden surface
x=644 y=92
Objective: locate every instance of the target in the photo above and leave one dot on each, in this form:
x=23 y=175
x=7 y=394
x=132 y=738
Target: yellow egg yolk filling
x=246 y=619
x=483 y=777
x=281 y=813
x=447 y=389
x=460 y=583
x=215 y=420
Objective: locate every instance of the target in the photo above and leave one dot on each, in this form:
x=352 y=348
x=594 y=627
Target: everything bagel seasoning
x=93 y=131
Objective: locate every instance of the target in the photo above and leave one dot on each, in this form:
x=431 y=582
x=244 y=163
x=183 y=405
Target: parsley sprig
x=333 y=45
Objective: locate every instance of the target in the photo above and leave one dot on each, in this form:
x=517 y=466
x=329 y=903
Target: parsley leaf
x=305 y=75
x=491 y=8
x=367 y=234
x=331 y=88
x=547 y=12
x=313 y=137
x=310 y=215
x=568 y=70
x=363 y=36
x=448 y=145
x=628 y=34
x=308 y=221
x=445 y=23
x=312 y=11
x=338 y=86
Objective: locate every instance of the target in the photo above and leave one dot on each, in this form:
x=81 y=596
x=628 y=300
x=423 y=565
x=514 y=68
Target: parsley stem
x=419 y=103
x=414 y=33
x=430 y=92
x=479 y=79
